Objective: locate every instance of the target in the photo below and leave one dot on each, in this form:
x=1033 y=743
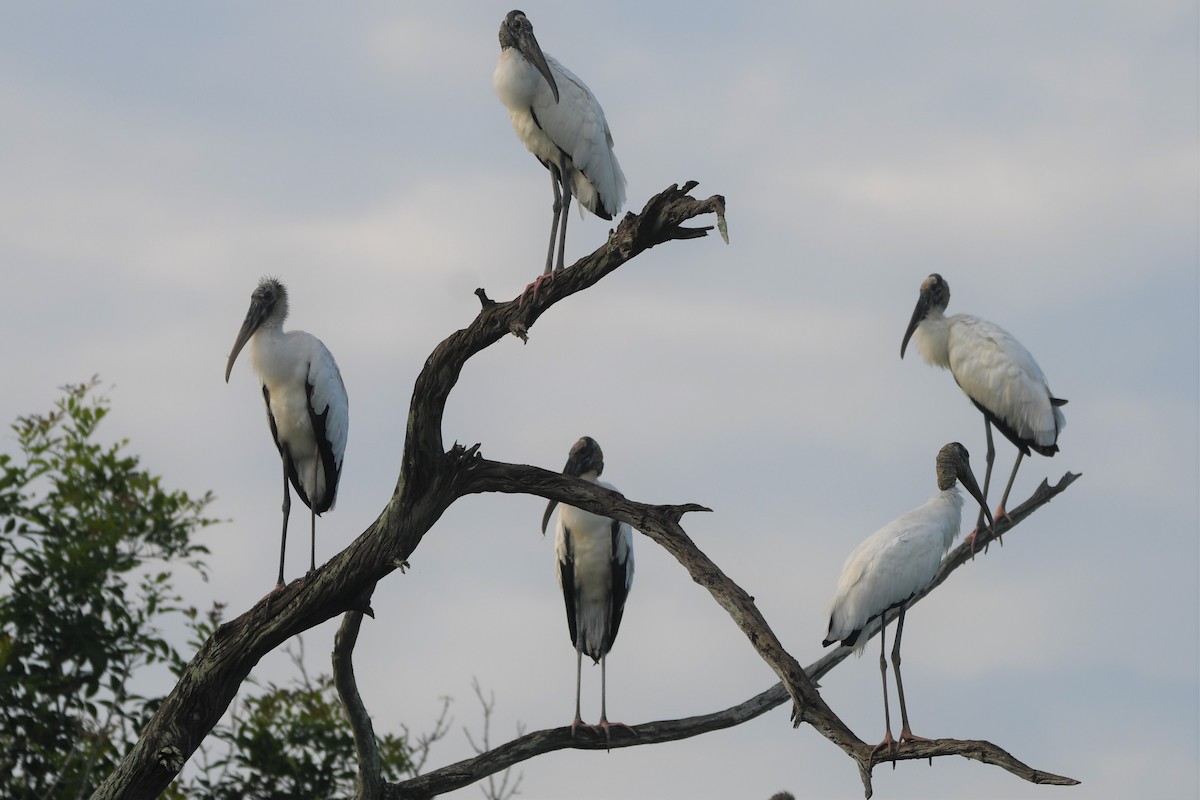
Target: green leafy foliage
x=290 y=742
x=88 y=544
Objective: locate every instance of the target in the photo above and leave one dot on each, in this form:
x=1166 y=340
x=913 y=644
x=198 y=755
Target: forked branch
x=430 y=480
x=424 y=490
x=490 y=476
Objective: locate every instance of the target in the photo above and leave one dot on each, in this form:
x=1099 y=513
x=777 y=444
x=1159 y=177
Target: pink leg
x=604 y=724
x=888 y=741
x=906 y=734
x=578 y=721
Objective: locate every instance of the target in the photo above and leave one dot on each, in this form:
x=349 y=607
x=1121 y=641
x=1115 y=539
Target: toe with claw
x=888 y=742
x=531 y=291
x=607 y=728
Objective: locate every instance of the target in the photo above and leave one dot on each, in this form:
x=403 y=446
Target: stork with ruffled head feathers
x=559 y=120
x=307 y=407
x=996 y=373
x=891 y=565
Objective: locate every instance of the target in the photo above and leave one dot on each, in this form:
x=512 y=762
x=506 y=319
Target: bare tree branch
x=430 y=480
x=956 y=558
x=492 y=790
x=583 y=495
x=424 y=489
x=985 y=752
x=531 y=745
x=370 y=782
x=661 y=523
x=419 y=745
x=505 y=756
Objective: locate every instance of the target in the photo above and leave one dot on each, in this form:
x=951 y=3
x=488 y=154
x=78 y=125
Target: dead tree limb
x=366 y=746
x=432 y=478
x=426 y=487
x=531 y=745
x=661 y=523
x=509 y=478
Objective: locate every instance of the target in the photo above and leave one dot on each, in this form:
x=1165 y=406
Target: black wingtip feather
x=1024 y=445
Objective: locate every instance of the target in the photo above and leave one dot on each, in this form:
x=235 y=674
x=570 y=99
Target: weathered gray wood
x=366 y=746
x=431 y=479
x=425 y=488
x=531 y=745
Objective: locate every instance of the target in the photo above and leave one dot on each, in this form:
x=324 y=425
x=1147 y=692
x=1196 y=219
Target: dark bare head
x=934 y=296
x=585 y=458
x=516 y=31
x=268 y=305
x=954 y=464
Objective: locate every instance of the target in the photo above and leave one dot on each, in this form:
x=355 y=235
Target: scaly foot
x=531 y=291
x=607 y=727
x=887 y=742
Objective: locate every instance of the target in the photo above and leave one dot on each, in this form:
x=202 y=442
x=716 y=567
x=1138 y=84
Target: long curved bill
x=546 y=517
x=254 y=318
x=585 y=455
x=528 y=45
x=967 y=479
x=919 y=313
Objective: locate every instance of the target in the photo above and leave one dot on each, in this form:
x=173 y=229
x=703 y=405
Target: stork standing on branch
x=995 y=371
x=307 y=407
x=209 y=683
x=893 y=564
x=559 y=120
x=595 y=572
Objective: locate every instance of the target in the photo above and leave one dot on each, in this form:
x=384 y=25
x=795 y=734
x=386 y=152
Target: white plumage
x=994 y=370
x=894 y=563
x=307 y=406
x=594 y=563
x=559 y=120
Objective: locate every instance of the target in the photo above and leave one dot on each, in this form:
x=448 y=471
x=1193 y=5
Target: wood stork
x=995 y=371
x=307 y=407
x=893 y=564
x=595 y=572
x=560 y=121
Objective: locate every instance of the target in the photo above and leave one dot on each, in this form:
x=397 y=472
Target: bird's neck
x=952 y=500
x=265 y=343
x=516 y=80
x=270 y=332
x=932 y=338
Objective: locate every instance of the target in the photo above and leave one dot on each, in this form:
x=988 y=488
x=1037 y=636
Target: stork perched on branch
x=893 y=564
x=595 y=572
x=995 y=371
x=559 y=120
x=307 y=407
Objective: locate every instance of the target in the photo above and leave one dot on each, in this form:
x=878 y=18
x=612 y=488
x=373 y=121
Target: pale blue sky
x=155 y=160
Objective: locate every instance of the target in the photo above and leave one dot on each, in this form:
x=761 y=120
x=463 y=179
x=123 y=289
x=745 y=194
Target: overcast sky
x=157 y=159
